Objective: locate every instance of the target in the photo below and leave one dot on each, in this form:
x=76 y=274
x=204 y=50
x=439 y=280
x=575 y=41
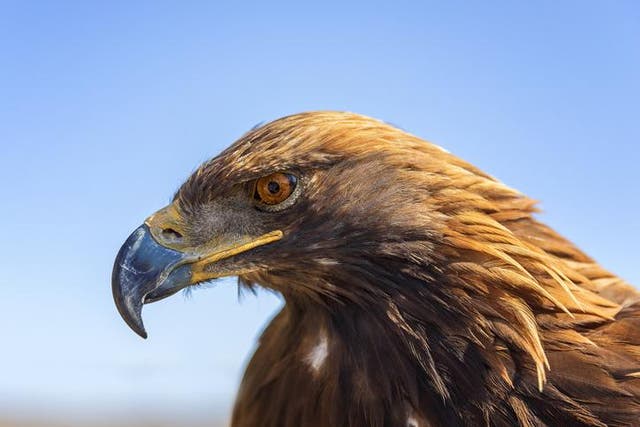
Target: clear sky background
x=106 y=107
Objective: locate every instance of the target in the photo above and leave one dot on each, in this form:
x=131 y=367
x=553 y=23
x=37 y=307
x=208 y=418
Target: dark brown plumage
x=419 y=290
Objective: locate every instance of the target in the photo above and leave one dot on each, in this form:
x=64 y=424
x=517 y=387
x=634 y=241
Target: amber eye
x=275 y=188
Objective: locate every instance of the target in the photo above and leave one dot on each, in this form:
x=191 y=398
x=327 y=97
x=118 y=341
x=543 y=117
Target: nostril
x=169 y=234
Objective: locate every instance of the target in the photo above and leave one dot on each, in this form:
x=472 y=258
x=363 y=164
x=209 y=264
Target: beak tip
x=138 y=329
x=132 y=317
x=136 y=325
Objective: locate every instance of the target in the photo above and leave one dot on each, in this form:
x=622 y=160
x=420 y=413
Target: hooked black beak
x=145 y=272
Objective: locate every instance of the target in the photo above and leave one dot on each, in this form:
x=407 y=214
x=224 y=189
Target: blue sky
x=105 y=107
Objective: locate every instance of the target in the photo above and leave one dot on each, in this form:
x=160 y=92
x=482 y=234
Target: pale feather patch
x=444 y=150
x=413 y=420
x=327 y=261
x=318 y=354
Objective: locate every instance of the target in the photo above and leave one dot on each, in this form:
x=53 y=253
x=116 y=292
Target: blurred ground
x=109 y=423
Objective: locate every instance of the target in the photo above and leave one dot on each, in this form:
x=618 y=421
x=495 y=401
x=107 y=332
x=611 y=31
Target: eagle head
x=311 y=205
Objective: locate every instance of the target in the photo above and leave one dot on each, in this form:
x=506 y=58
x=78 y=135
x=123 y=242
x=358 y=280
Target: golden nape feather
x=419 y=290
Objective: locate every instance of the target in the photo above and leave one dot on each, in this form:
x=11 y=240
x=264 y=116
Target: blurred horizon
x=107 y=108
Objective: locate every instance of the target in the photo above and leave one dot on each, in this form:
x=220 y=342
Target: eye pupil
x=273 y=187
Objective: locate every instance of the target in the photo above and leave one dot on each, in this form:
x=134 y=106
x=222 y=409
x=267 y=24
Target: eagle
x=418 y=290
